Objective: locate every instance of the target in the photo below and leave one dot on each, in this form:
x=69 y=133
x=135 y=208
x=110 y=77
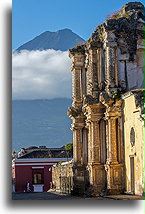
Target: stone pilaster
x=114 y=164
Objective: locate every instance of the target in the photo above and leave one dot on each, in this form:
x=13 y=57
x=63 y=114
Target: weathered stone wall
x=62 y=177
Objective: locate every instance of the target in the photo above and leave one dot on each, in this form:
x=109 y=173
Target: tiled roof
x=45 y=153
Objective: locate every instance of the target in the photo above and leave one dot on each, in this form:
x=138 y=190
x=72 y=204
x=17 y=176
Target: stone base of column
x=97 y=178
x=79 y=180
x=115 y=178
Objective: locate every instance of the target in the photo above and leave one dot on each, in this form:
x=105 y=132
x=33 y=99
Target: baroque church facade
x=107 y=107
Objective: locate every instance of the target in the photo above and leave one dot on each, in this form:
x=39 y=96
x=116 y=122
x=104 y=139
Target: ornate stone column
x=111 y=65
x=112 y=141
x=78 y=68
x=77 y=127
x=110 y=71
x=77 y=54
x=79 y=143
x=85 y=145
x=95 y=160
x=92 y=76
x=76 y=87
x=96 y=144
x=114 y=164
x=100 y=67
x=76 y=145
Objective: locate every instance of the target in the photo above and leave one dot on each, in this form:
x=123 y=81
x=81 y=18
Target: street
x=56 y=196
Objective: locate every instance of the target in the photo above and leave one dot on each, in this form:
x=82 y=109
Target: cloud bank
x=41 y=74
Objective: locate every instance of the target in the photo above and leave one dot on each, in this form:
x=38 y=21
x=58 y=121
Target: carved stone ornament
x=80 y=49
x=72 y=112
x=89 y=100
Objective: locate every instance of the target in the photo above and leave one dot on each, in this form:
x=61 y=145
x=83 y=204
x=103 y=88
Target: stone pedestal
x=79 y=179
x=97 y=178
x=115 y=178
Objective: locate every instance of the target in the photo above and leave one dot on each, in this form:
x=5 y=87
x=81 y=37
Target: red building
x=32 y=169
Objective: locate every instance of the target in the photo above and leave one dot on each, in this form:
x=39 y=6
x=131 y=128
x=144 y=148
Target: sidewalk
x=108 y=197
x=125 y=197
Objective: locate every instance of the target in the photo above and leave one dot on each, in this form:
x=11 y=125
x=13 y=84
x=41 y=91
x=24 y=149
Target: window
x=38 y=177
x=132 y=137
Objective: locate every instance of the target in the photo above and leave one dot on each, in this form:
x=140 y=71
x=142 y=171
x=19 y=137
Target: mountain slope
x=40 y=122
x=60 y=40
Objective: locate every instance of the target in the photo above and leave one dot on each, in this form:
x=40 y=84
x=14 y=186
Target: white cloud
x=41 y=74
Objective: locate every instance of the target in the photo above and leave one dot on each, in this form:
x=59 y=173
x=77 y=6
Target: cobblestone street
x=54 y=196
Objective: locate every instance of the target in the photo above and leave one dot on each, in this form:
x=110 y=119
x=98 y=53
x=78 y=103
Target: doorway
x=38 y=179
x=132 y=177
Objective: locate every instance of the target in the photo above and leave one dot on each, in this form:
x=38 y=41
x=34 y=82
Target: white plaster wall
x=132 y=74
x=131 y=119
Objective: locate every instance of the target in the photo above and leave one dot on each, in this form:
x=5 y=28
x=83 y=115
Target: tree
x=69 y=149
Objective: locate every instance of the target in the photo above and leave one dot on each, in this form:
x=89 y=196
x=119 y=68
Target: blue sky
x=32 y=17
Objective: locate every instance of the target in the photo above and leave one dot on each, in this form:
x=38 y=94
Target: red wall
x=23 y=174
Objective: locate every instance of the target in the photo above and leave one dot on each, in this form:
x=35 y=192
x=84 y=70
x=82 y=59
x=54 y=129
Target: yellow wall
x=131 y=119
